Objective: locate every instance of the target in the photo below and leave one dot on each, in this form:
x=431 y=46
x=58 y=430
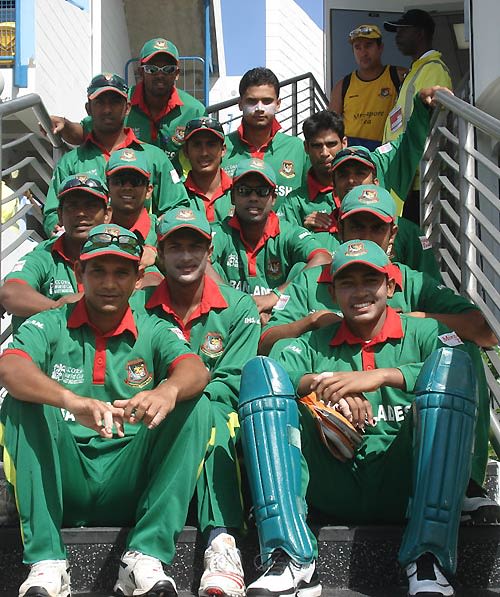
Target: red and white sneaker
x=223 y=575
x=47 y=578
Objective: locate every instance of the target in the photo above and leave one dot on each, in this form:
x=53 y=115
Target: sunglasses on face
x=361 y=31
x=85 y=183
x=105 y=239
x=151 y=69
x=246 y=191
x=134 y=180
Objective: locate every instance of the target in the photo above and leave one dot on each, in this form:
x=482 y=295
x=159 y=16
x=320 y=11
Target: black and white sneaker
x=140 y=574
x=286 y=577
x=426 y=579
x=477 y=507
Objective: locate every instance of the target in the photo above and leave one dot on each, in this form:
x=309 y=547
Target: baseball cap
x=355 y=252
x=366 y=31
x=412 y=18
x=355 y=152
x=183 y=217
x=255 y=166
x=111 y=239
x=205 y=123
x=158 y=45
x=107 y=82
x=128 y=159
x=85 y=183
x=369 y=198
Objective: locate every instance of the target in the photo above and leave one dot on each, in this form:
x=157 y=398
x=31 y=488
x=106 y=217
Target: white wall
x=63 y=57
x=294 y=43
x=114 y=37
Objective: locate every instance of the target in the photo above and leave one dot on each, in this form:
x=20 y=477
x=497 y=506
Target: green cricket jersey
x=137 y=355
x=91 y=158
x=258 y=270
x=283 y=152
x=219 y=206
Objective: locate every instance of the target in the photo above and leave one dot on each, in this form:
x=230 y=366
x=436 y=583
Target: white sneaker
x=425 y=577
x=223 y=573
x=47 y=578
x=140 y=574
x=286 y=577
x=477 y=507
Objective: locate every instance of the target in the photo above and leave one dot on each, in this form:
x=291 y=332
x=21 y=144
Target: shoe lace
x=222 y=561
x=275 y=564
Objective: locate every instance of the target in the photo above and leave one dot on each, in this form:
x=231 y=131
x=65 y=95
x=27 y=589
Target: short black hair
x=323 y=121
x=259 y=76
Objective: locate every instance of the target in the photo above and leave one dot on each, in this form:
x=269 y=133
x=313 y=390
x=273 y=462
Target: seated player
x=222 y=326
x=368 y=212
x=102 y=412
x=253 y=251
x=418 y=422
x=207 y=184
x=45 y=279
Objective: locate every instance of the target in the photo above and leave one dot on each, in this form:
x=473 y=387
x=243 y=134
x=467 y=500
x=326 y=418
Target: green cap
x=368 y=198
x=128 y=159
x=107 y=82
x=356 y=252
x=357 y=153
x=158 y=45
x=255 y=166
x=84 y=182
x=111 y=239
x=183 y=217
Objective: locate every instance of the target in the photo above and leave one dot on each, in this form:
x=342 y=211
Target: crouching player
x=99 y=420
x=418 y=420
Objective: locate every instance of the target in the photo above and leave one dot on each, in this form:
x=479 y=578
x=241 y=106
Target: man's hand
x=322 y=318
x=332 y=386
x=148 y=257
x=427 y=95
x=318 y=220
x=356 y=409
x=67 y=299
x=265 y=302
x=151 y=406
x=95 y=414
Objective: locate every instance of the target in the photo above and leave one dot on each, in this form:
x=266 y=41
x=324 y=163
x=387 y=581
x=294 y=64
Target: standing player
x=365 y=97
x=108 y=105
x=207 y=184
x=45 y=278
x=222 y=326
x=369 y=364
x=100 y=417
x=253 y=250
x=259 y=134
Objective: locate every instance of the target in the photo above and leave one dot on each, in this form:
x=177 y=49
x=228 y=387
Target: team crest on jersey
x=287 y=169
x=368 y=196
x=356 y=250
x=274 y=268
x=385 y=92
x=128 y=155
x=185 y=215
x=138 y=375
x=178 y=136
x=212 y=345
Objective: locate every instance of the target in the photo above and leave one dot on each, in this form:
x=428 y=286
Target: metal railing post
x=294 y=108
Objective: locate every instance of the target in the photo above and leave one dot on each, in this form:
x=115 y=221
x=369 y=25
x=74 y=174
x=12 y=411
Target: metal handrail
x=461 y=215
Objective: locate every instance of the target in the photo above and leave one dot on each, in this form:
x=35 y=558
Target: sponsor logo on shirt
x=385 y=148
x=251 y=320
x=67 y=375
x=304 y=234
x=18 y=266
x=212 y=344
x=178 y=332
x=450 y=339
x=138 y=375
x=232 y=260
x=293 y=348
x=287 y=169
x=282 y=302
x=173 y=175
x=59 y=287
x=34 y=322
x=425 y=242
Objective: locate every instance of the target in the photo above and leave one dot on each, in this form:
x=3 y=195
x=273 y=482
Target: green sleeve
x=152 y=238
x=86 y=125
x=397 y=161
x=296 y=356
x=220 y=242
x=290 y=209
x=33 y=269
x=302 y=244
x=412 y=248
x=242 y=341
x=437 y=298
x=168 y=192
x=50 y=217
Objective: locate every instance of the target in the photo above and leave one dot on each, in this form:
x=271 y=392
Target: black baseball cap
x=412 y=18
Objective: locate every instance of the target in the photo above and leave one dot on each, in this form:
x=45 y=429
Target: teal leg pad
x=270 y=438
x=445 y=413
